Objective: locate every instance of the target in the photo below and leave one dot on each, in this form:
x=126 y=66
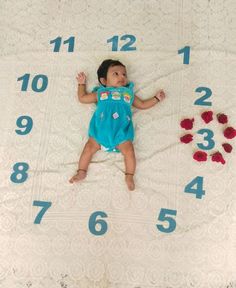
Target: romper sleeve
x=131 y=85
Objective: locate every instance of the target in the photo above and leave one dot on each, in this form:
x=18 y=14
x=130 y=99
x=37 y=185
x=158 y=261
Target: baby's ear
x=103 y=81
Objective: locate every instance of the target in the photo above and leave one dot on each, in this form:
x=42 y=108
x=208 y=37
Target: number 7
x=45 y=206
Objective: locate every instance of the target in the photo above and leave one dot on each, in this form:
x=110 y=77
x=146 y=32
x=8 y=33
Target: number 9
x=27 y=127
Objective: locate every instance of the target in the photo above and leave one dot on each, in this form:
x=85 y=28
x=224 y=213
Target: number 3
x=208 y=138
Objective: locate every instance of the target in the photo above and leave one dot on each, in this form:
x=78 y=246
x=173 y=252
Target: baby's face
x=116 y=76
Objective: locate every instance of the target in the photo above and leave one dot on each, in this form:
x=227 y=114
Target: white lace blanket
x=98 y=234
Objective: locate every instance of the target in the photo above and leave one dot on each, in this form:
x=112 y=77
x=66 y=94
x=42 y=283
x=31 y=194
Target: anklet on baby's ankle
x=129 y=174
x=82 y=170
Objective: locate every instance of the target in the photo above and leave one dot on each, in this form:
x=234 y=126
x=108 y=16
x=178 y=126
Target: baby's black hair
x=106 y=64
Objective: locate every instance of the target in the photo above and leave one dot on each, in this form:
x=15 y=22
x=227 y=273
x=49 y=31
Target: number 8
x=18 y=171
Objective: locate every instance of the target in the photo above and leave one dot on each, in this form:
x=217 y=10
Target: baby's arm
x=145 y=104
x=83 y=96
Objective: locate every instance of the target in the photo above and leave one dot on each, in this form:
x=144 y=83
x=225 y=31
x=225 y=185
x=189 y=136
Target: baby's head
x=112 y=73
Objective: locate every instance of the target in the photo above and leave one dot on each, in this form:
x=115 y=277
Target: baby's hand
x=81 y=78
x=161 y=95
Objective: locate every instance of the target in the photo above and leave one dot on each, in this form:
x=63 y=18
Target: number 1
x=186 y=52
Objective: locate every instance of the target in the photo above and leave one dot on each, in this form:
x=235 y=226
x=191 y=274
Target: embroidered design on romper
x=115 y=95
x=104 y=95
x=127 y=97
x=115 y=115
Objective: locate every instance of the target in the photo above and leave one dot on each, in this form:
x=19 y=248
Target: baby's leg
x=90 y=148
x=127 y=149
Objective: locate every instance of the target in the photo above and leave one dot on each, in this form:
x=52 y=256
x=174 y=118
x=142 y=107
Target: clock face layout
x=177 y=228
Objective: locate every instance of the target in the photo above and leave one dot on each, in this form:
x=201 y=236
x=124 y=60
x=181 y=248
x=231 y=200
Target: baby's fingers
x=81 y=77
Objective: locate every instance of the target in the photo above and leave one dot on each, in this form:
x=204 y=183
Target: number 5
x=170 y=220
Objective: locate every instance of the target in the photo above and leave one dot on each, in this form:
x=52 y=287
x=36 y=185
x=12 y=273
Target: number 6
x=93 y=228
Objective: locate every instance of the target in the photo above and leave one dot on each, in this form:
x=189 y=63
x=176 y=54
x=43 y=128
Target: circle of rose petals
x=207 y=117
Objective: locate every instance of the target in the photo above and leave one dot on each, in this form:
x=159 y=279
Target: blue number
x=25 y=79
x=93 y=222
x=208 y=137
x=36 y=81
x=114 y=41
x=20 y=169
x=45 y=206
x=198 y=181
x=201 y=101
x=27 y=126
x=71 y=42
x=126 y=47
x=170 y=220
x=57 y=42
x=186 y=52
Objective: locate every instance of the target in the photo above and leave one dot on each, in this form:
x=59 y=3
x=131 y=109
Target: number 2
x=202 y=100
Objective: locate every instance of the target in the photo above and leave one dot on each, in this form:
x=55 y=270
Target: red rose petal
x=217 y=157
x=186 y=138
x=222 y=118
x=200 y=156
x=227 y=147
x=229 y=133
x=187 y=123
x=207 y=116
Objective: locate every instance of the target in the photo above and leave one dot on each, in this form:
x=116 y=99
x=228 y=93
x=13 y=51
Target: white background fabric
x=61 y=251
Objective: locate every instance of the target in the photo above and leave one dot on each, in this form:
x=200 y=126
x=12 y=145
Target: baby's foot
x=80 y=175
x=129 y=179
x=160 y=95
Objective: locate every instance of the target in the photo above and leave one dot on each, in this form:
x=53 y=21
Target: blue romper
x=111 y=123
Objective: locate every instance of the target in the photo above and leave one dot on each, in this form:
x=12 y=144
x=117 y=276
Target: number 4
x=198 y=190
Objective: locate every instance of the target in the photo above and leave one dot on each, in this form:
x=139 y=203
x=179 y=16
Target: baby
x=111 y=128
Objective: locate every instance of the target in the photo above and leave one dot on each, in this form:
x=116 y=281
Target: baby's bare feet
x=80 y=175
x=129 y=179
